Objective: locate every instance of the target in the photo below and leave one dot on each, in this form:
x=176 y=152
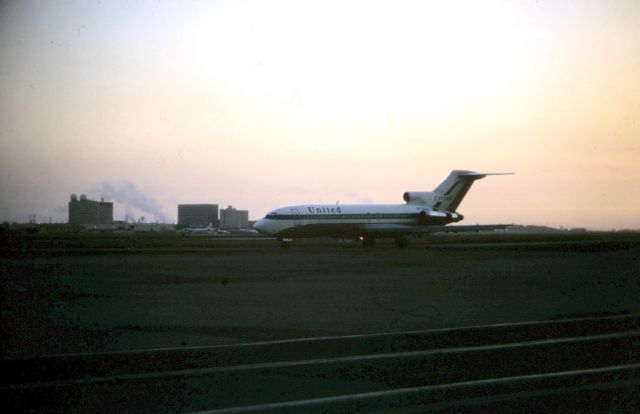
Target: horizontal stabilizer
x=478 y=175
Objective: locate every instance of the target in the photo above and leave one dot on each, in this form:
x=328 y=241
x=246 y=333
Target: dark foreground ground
x=78 y=293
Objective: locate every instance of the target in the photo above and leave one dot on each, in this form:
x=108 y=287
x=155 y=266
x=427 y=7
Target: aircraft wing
x=412 y=229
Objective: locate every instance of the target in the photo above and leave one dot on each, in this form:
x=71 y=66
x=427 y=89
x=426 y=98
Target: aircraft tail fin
x=449 y=194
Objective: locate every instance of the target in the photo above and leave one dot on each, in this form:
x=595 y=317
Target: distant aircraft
x=201 y=230
x=424 y=212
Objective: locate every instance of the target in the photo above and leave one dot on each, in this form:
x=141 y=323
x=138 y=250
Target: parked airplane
x=424 y=212
x=201 y=230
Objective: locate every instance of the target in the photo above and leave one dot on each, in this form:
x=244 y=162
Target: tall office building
x=89 y=212
x=230 y=218
x=197 y=215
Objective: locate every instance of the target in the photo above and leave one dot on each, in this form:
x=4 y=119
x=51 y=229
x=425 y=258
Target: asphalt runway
x=140 y=299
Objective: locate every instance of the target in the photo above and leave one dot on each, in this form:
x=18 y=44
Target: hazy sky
x=264 y=104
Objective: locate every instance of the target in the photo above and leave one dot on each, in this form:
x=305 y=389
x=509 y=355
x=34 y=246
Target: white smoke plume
x=128 y=194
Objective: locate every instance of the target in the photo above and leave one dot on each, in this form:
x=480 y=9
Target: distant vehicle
x=424 y=212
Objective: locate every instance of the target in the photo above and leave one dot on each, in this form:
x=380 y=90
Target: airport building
x=197 y=215
x=89 y=212
x=230 y=218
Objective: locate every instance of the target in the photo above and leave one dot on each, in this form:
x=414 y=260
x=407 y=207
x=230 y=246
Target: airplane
x=424 y=212
x=200 y=230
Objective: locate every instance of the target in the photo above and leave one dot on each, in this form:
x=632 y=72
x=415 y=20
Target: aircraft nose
x=261 y=226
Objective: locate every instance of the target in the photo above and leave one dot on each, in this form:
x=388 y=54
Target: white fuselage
x=313 y=220
x=424 y=212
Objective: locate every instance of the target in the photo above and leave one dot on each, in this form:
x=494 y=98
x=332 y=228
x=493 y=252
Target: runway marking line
x=464 y=384
x=319 y=361
x=324 y=338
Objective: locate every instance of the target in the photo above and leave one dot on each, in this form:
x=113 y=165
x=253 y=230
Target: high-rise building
x=197 y=215
x=230 y=218
x=89 y=212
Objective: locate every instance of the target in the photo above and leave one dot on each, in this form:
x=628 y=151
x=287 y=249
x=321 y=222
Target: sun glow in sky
x=264 y=104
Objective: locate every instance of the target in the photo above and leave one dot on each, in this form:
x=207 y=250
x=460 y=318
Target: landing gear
x=285 y=243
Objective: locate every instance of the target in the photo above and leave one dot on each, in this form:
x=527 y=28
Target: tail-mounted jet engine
x=418 y=197
x=438 y=217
